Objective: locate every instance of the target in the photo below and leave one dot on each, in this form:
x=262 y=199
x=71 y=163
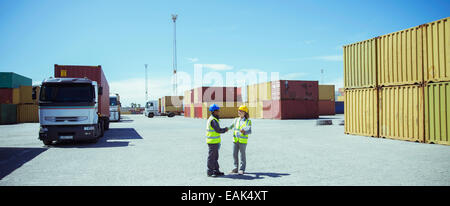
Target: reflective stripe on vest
x=237 y=136
x=212 y=137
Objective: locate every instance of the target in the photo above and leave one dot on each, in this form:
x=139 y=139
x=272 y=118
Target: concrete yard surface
x=173 y=151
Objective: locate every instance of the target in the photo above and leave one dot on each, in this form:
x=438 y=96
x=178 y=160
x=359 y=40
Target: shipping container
x=437 y=113
x=215 y=94
x=27 y=113
x=360 y=69
x=26 y=94
x=187 y=111
x=402 y=112
x=339 y=107
x=9 y=95
x=290 y=109
x=94 y=73
x=259 y=92
x=187 y=97
x=255 y=109
x=159 y=105
x=13 y=80
x=361 y=112
x=295 y=90
x=175 y=109
x=326 y=92
x=172 y=101
x=436 y=46
x=8 y=114
x=340 y=98
x=400 y=57
x=35 y=94
x=192 y=112
x=326 y=107
x=198 y=108
x=227 y=109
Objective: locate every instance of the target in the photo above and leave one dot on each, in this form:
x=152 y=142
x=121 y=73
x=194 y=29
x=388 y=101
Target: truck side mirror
x=100 y=90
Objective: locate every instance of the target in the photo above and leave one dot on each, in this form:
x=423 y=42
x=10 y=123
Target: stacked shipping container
x=292 y=100
x=407 y=73
x=16 y=93
x=326 y=102
x=198 y=100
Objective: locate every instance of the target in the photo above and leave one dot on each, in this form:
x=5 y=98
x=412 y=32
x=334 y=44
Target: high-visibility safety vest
x=237 y=135
x=212 y=137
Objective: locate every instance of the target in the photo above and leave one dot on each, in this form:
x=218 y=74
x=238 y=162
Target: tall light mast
x=146 y=84
x=174 y=19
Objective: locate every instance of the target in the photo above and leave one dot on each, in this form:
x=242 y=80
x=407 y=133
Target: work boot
x=241 y=172
x=234 y=171
x=219 y=173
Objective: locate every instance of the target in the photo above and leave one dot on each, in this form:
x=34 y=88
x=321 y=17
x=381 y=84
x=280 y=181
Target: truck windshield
x=112 y=101
x=67 y=93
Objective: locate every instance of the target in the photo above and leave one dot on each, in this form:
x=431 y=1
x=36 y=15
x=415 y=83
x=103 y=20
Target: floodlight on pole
x=174 y=19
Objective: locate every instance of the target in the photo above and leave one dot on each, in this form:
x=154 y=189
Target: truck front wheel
x=47 y=142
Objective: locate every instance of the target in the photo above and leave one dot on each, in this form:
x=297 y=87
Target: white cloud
x=218 y=67
x=192 y=60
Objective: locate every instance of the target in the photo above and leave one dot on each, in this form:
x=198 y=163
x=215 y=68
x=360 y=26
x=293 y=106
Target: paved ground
x=172 y=151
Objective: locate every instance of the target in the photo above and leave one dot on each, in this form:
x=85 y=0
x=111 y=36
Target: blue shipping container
x=339 y=107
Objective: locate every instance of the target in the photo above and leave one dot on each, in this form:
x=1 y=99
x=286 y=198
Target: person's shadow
x=254 y=175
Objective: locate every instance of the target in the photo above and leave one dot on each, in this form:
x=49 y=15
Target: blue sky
x=295 y=38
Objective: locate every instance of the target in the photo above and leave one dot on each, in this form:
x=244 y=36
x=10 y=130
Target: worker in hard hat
x=213 y=132
x=242 y=127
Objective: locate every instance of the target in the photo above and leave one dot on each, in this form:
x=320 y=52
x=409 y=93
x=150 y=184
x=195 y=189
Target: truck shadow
x=11 y=158
x=255 y=175
x=108 y=140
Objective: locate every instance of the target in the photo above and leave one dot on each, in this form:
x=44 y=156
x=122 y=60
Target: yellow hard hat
x=243 y=108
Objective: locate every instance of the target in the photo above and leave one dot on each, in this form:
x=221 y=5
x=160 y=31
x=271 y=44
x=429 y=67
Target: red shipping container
x=295 y=90
x=6 y=96
x=198 y=110
x=187 y=112
x=216 y=94
x=94 y=73
x=290 y=109
x=326 y=107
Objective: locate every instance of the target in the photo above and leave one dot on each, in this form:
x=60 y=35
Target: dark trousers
x=213 y=157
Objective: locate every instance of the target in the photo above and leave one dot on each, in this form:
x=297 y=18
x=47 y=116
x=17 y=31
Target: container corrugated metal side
x=437 y=113
x=326 y=92
x=326 y=107
x=361 y=112
x=9 y=96
x=339 y=107
x=290 y=109
x=26 y=94
x=227 y=109
x=255 y=109
x=198 y=110
x=8 y=113
x=187 y=97
x=27 y=113
x=295 y=90
x=13 y=80
x=187 y=111
x=402 y=112
x=436 y=46
x=360 y=68
x=400 y=57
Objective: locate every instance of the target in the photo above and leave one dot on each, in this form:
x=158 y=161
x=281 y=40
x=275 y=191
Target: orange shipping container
x=27 y=113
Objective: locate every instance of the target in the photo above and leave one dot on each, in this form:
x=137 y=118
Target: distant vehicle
x=114 y=108
x=151 y=110
x=74 y=105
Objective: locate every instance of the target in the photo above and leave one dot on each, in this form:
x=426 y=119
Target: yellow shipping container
x=360 y=64
x=255 y=110
x=436 y=46
x=340 y=98
x=192 y=112
x=326 y=92
x=400 y=57
x=259 y=92
x=401 y=113
x=227 y=109
x=26 y=94
x=437 y=113
x=361 y=112
x=172 y=109
x=172 y=101
x=27 y=113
